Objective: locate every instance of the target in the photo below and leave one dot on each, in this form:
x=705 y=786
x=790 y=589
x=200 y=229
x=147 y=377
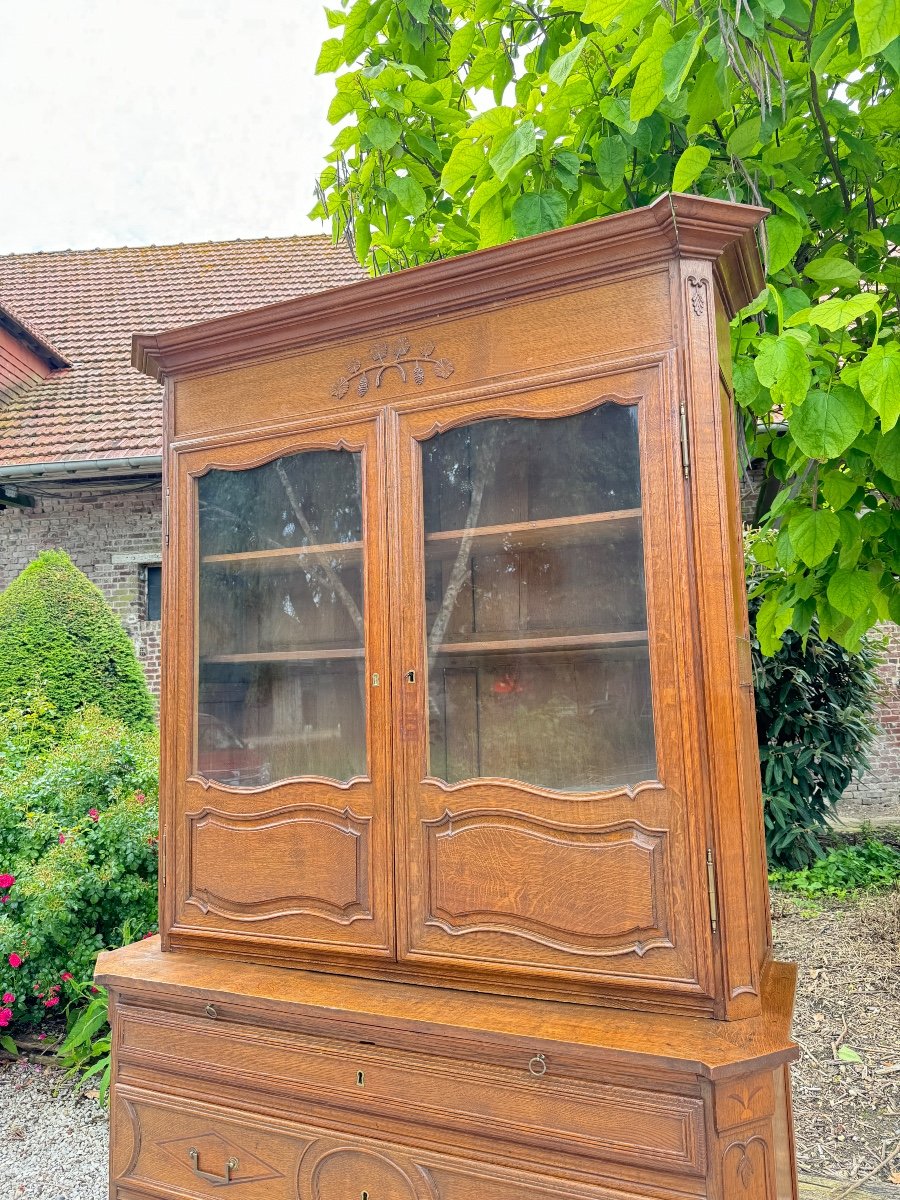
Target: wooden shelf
x=574 y=641
x=520 y=535
x=323 y=654
x=285 y=557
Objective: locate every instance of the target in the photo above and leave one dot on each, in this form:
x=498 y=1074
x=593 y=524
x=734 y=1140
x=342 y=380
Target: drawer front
x=616 y=1124
x=163 y=1148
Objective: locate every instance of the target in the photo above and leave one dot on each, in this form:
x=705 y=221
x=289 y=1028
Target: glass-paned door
x=543 y=816
x=284 y=793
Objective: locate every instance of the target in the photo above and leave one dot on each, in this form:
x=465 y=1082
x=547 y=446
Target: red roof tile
x=88 y=303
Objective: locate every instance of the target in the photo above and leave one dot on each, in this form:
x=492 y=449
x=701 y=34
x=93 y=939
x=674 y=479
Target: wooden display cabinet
x=463 y=873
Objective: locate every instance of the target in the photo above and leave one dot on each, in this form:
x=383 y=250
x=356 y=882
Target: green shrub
x=78 y=835
x=815 y=715
x=872 y=866
x=58 y=636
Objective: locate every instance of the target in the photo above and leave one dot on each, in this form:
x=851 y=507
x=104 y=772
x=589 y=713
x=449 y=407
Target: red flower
x=66 y=975
x=94 y=814
x=62 y=839
x=5 y=1017
x=53 y=1000
x=140 y=797
x=8 y=997
x=3 y=899
x=42 y=1037
x=15 y=960
x=6 y=881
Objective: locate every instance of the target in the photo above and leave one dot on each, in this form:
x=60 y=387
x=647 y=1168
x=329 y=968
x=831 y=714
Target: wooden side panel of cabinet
x=726 y=695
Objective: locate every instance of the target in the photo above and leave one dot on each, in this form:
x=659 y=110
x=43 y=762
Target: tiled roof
x=88 y=303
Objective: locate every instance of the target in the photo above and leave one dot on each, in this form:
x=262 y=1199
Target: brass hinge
x=685 y=448
x=167 y=516
x=711 y=887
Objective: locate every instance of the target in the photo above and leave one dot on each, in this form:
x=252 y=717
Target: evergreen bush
x=815 y=716
x=58 y=636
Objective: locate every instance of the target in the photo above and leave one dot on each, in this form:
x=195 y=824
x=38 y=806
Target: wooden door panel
x=281 y=793
x=548 y=822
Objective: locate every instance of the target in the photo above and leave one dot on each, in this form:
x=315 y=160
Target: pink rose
x=140 y=797
x=66 y=975
x=8 y=997
x=53 y=1000
x=62 y=839
x=5 y=1017
x=6 y=881
x=94 y=814
x=15 y=960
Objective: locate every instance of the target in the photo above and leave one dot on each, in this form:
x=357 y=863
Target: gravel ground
x=52 y=1141
x=846 y=1113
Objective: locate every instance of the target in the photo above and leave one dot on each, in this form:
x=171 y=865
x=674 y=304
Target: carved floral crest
x=400 y=358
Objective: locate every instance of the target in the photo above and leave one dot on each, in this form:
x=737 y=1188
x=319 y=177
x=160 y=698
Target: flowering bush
x=78 y=860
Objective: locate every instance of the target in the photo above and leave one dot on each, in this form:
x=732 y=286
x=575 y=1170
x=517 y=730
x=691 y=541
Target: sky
x=129 y=124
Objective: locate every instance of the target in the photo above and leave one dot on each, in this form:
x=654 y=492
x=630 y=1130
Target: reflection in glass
x=536 y=614
x=281 y=672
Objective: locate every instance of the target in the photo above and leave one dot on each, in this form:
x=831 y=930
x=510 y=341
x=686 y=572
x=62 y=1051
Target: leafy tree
x=59 y=638
x=465 y=123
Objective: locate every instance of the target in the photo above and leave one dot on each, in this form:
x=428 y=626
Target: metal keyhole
x=410 y=677
x=365 y=1196
x=360 y=1079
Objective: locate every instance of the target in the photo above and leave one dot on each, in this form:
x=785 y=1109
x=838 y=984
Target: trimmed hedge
x=59 y=637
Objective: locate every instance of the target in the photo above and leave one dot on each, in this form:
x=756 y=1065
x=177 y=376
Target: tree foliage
x=466 y=123
x=59 y=637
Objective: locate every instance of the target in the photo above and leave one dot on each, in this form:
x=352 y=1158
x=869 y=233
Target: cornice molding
x=672 y=226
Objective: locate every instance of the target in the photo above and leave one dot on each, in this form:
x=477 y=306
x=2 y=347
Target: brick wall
x=111 y=537
x=876 y=797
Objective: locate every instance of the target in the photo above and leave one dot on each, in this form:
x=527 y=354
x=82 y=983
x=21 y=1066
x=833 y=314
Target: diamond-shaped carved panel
x=212 y=1155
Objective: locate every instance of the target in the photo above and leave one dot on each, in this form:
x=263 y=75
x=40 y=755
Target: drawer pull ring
x=211 y=1011
x=231 y=1165
x=538 y=1066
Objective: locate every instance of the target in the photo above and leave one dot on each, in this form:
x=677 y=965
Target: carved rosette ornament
x=385 y=358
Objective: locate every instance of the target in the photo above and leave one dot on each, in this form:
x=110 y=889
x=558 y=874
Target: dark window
x=154 y=593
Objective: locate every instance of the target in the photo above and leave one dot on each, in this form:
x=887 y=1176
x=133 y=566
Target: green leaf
x=331 y=56
x=838 y=488
x=744 y=138
x=8 y=1044
x=772 y=620
x=837 y=313
x=878 y=22
x=561 y=68
x=517 y=145
x=825 y=424
x=420 y=9
x=851 y=592
x=690 y=166
x=610 y=158
x=678 y=61
x=409 y=193
x=887 y=453
x=536 y=212
x=831 y=270
x=648 y=83
x=704 y=102
x=484 y=192
x=782 y=366
x=785 y=235
x=461 y=43
x=879 y=382
x=465 y=161
x=814 y=534
x=848 y=1054
x=382 y=132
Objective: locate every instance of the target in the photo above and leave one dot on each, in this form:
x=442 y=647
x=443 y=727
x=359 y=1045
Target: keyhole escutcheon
x=360 y=1079
x=410 y=677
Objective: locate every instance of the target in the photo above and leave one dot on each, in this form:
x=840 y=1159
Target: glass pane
x=536 y=614
x=282 y=668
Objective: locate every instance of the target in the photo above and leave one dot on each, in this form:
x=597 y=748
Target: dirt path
x=847 y=1022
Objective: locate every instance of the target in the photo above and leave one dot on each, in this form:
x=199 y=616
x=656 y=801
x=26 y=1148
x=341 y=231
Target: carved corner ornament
x=697 y=289
x=400 y=358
